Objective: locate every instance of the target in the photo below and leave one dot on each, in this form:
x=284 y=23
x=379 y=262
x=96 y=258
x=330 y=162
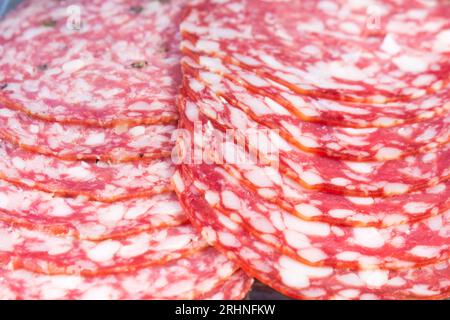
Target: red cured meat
x=85 y=76
x=186 y=278
x=316 y=109
x=315 y=243
x=369 y=144
x=319 y=243
x=234 y=288
x=97 y=181
x=85 y=219
x=75 y=142
x=261 y=37
x=276 y=187
x=320 y=173
x=43 y=253
x=300 y=281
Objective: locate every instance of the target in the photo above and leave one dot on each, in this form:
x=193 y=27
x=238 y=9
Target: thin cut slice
x=271 y=184
x=262 y=37
x=186 y=278
x=85 y=219
x=326 y=111
x=234 y=288
x=311 y=171
x=319 y=243
x=76 y=142
x=99 y=181
x=43 y=253
x=70 y=69
x=300 y=281
x=368 y=144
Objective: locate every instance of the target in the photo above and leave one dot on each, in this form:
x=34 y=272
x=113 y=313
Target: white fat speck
x=311 y=178
x=425 y=251
x=95 y=139
x=137 y=131
x=73 y=66
x=390 y=46
x=395 y=188
x=228 y=239
x=79 y=173
x=308 y=210
x=140 y=106
x=4 y=201
x=442 y=41
x=231 y=200
x=341 y=213
x=411 y=64
x=296 y=240
x=212 y=197
x=374 y=278
x=368 y=237
x=387 y=153
x=422 y=290
x=104 y=251
x=319 y=229
x=361 y=167
x=207 y=46
x=416 y=207
x=178 y=182
x=364 y=201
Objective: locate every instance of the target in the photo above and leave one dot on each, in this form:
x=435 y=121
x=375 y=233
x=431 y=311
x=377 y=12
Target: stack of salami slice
x=316 y=148
x=87 y=109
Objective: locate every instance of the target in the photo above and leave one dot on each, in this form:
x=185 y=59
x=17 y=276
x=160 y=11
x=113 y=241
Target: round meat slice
x=75 y=142
x=367 y=144
x=383 y=178
x=268 y=39
x=186 y=278
x=92 y=63
x=273 y=185
x=320 y=243
x=301 y=281
x=84 y=219
x=44 y=253
x=99 y=181
x=326 y=111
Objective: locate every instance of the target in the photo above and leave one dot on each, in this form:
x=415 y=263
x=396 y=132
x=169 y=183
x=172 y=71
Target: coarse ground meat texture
x=55 y=71
x=76 y=142
x=366 y=144
x=187 y=278
x=268 y=39
x=301 y=281
x=84 y=219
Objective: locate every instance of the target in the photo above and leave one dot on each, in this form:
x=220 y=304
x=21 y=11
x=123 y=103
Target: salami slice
x=97 y=181
x=263 y=37
x=75 y=142
x=185 y=278
x=85 y=219
x=43 y=253
x=234 y=288
x=331 y=175
x=300 y=281
x=315 y=109
x=271 y=184
x=369 y=144
x=318 y=243
x=90 y=63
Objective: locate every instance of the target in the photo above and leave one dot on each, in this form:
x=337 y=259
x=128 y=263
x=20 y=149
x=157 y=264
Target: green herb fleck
x=50 y=23
x=42 y=67
x=139 y=64
x=136 y=9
